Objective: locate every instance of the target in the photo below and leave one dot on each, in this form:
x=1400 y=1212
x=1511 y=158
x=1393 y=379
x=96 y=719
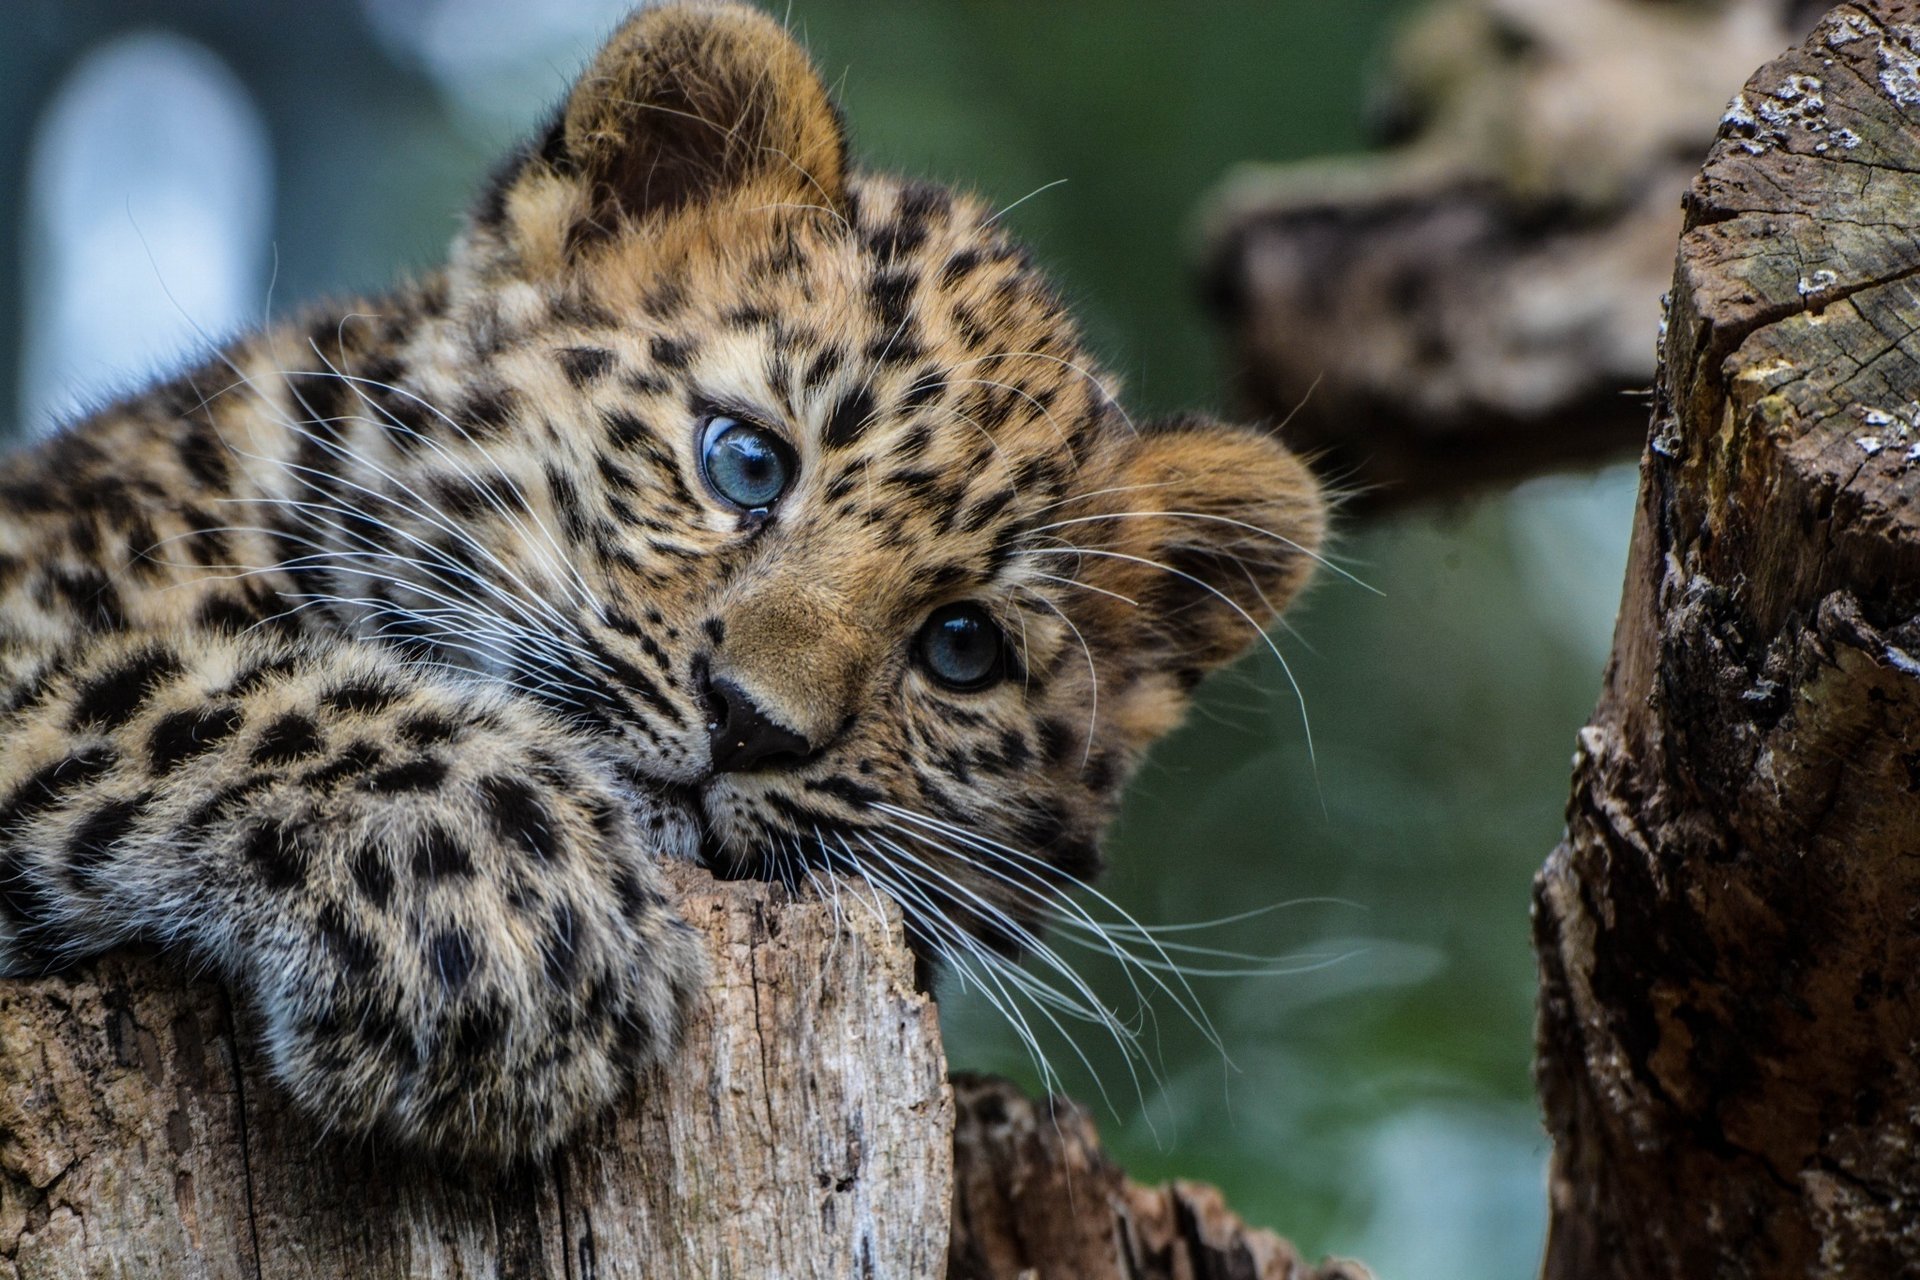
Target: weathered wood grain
x=803 y=1130
x=1730 y=934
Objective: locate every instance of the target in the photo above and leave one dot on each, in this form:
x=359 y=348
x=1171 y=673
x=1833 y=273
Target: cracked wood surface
x=803 y=1130
x=1729 y=936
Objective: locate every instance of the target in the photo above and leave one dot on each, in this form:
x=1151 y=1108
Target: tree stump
x=802 y=1130
x=1729 y=936
x=805 y=1129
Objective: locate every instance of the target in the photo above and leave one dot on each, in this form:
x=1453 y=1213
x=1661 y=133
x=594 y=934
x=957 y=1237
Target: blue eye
x=748 y=466
x=961 y=647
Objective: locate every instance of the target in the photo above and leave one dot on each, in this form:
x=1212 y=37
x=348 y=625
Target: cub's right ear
x=1210 y=530
x=688 y=104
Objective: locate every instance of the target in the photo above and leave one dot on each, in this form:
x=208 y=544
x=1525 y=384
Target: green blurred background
x=169 y=166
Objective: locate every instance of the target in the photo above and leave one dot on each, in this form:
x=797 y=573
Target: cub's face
x=799 y=485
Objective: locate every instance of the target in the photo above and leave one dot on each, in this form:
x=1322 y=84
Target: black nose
x=743 y=737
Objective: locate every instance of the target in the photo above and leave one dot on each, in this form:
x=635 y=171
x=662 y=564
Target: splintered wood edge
x=1037 y=1195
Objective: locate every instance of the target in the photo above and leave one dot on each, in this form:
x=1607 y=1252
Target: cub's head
x=797 y=482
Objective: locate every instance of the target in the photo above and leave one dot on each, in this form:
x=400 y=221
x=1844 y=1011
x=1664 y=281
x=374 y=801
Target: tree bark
x=1729 y=935
x=805 y=1129
x=1037 y=1197
x=1478 y=303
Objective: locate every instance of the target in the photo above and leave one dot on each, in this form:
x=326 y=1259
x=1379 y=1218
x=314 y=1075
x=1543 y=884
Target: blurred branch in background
x=1481 y=302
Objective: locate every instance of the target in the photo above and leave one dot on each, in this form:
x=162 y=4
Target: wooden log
x=1729 y=936
x=802 y=1130
x=1478 y=302
x=805 y=1129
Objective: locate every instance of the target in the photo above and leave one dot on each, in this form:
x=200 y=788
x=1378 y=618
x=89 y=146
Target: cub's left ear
x=1211 y=529
x=687 y=104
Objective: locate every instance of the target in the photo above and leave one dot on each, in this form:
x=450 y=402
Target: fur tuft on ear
x=1211 y=529
x=688 y=103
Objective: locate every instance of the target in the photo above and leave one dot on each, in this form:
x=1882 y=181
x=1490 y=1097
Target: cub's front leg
x=445 y=906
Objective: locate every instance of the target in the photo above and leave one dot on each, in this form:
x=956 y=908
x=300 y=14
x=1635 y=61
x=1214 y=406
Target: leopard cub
x=717 y=500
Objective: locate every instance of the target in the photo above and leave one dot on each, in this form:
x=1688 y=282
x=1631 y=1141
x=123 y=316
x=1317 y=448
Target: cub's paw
x=477 y=974
x=15 y=960
x=36 y=911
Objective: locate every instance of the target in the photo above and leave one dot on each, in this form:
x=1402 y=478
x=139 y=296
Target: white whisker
x=1299 y=694
x=1287 y=542
x=1045 y=186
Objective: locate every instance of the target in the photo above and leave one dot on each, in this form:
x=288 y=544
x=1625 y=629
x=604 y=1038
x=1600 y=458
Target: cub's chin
x=733 y=842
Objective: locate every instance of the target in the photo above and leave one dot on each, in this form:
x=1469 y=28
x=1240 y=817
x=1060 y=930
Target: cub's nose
x=743 y=737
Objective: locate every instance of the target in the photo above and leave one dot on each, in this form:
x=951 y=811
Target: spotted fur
x=373 y=661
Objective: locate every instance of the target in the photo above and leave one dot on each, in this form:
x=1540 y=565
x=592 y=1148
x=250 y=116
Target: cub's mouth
x=682 y=819
x=672 y=817
x=730 y=844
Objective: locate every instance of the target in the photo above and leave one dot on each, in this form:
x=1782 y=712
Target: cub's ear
x=688 y=103
x=1211 y=530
